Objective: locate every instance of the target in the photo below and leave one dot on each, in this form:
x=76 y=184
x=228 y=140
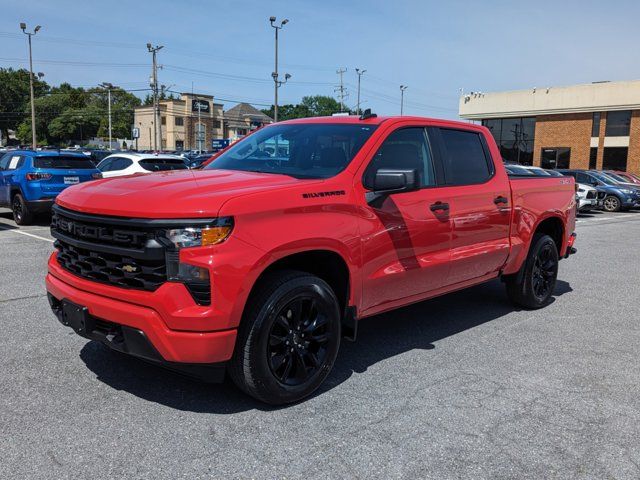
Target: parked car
x=31 y=180
x=129 y=163
x=612 y=197
x=587 y=197
x=259 y=265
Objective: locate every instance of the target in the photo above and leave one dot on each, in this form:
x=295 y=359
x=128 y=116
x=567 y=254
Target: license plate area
x=71 y=180
x=77 y=317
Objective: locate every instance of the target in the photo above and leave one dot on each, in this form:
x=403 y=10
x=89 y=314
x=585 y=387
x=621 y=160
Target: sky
x=225 y=48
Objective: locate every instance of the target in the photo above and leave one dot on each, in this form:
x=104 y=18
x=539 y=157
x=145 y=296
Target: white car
x=120 y=164
x=586 y=197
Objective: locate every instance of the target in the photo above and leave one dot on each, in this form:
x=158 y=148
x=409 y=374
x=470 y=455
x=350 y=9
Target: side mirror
x=387 y=181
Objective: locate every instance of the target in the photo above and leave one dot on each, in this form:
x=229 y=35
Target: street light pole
x=402 y=89
x=360 y=73
x=23 y=27
x=156 y=106
x=108 y=86
x=274 y=75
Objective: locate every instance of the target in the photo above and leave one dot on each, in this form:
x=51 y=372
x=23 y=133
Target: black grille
x=591 y=194
x=117 y=270
x=100 y=249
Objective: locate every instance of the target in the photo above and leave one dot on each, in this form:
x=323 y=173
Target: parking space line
x=27 y=234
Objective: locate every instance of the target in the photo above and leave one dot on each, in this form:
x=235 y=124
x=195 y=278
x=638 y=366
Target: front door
x=405 y=241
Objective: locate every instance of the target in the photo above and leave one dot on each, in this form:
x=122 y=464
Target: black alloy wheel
x=298 y=341
x=21 y=214
x=288 y=339
x=532 y=287
x=545 y=271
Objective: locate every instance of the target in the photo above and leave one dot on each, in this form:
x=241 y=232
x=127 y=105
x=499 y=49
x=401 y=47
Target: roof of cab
x=354 y=119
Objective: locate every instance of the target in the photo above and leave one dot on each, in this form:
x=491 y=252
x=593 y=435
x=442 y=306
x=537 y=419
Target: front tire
x=533 y=286
x=21 y=213
x=289 y=338
x=611 y=203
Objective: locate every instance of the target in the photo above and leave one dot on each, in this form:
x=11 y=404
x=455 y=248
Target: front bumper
x=149 y=317
x=587 y=204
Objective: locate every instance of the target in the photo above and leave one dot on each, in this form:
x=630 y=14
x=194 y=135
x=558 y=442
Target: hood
x=171 y=194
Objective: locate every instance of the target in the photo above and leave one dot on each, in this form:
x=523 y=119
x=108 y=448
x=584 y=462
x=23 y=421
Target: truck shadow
x=414 y=327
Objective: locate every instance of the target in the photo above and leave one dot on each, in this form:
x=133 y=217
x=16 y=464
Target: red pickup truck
x=260 y=263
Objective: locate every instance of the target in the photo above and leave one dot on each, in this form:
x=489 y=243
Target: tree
x=310 y=106
x=15 y=98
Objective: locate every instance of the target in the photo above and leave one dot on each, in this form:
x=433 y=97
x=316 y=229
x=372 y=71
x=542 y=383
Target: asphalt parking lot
x=463 y=386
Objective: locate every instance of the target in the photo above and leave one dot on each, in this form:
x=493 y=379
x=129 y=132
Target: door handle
x=435 y=207
x=500 y=199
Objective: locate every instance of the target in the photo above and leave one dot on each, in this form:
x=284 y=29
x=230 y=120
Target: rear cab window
x=162 y=164
x=62 y=162
x=465 y=157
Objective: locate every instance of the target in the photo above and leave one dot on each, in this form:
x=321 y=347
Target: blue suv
x=31 y=180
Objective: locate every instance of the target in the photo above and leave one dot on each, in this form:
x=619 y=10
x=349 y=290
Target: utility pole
x=277 y=83
x=23 y=27
x=108 y=86
x=360 y=73
x=341 y=89
x=402 y=89
x=157 y=131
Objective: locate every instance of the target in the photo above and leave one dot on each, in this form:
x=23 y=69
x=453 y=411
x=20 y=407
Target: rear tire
x=533 y=287
x=21 y=213
x=611 y=203
x=288 y=339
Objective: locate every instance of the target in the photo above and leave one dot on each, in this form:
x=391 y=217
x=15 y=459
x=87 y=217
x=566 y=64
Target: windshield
x=63 y=162
x=617 y=177
x=603 y=177
x=310 y=150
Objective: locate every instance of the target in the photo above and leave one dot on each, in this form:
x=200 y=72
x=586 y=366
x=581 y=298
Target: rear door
x=479 y=199
x=405 y=240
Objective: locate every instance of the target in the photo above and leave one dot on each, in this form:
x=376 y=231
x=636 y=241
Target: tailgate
x=61 y=179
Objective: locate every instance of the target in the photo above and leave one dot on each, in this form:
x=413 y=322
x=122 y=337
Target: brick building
x=188 y=123
x=593 y=125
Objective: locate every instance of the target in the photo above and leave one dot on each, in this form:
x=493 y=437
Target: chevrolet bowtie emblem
x=129 y=268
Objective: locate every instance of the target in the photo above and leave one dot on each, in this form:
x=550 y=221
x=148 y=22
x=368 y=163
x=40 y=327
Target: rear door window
x=465 y=157
x=62 y=162
x=162 y=164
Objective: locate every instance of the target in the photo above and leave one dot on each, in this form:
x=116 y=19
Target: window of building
x=557 y=157
x=465 y=160
x=595 y=126
x=163 y=121
x=179 y=121
x=593 y=158
x=514 y=136
x=615 y=158
x=217 y=124
x=618 y=124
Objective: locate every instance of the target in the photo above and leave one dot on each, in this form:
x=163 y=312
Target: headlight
x=201 y=236
x=581 y=190
x=626 y=191
x=195 y=278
